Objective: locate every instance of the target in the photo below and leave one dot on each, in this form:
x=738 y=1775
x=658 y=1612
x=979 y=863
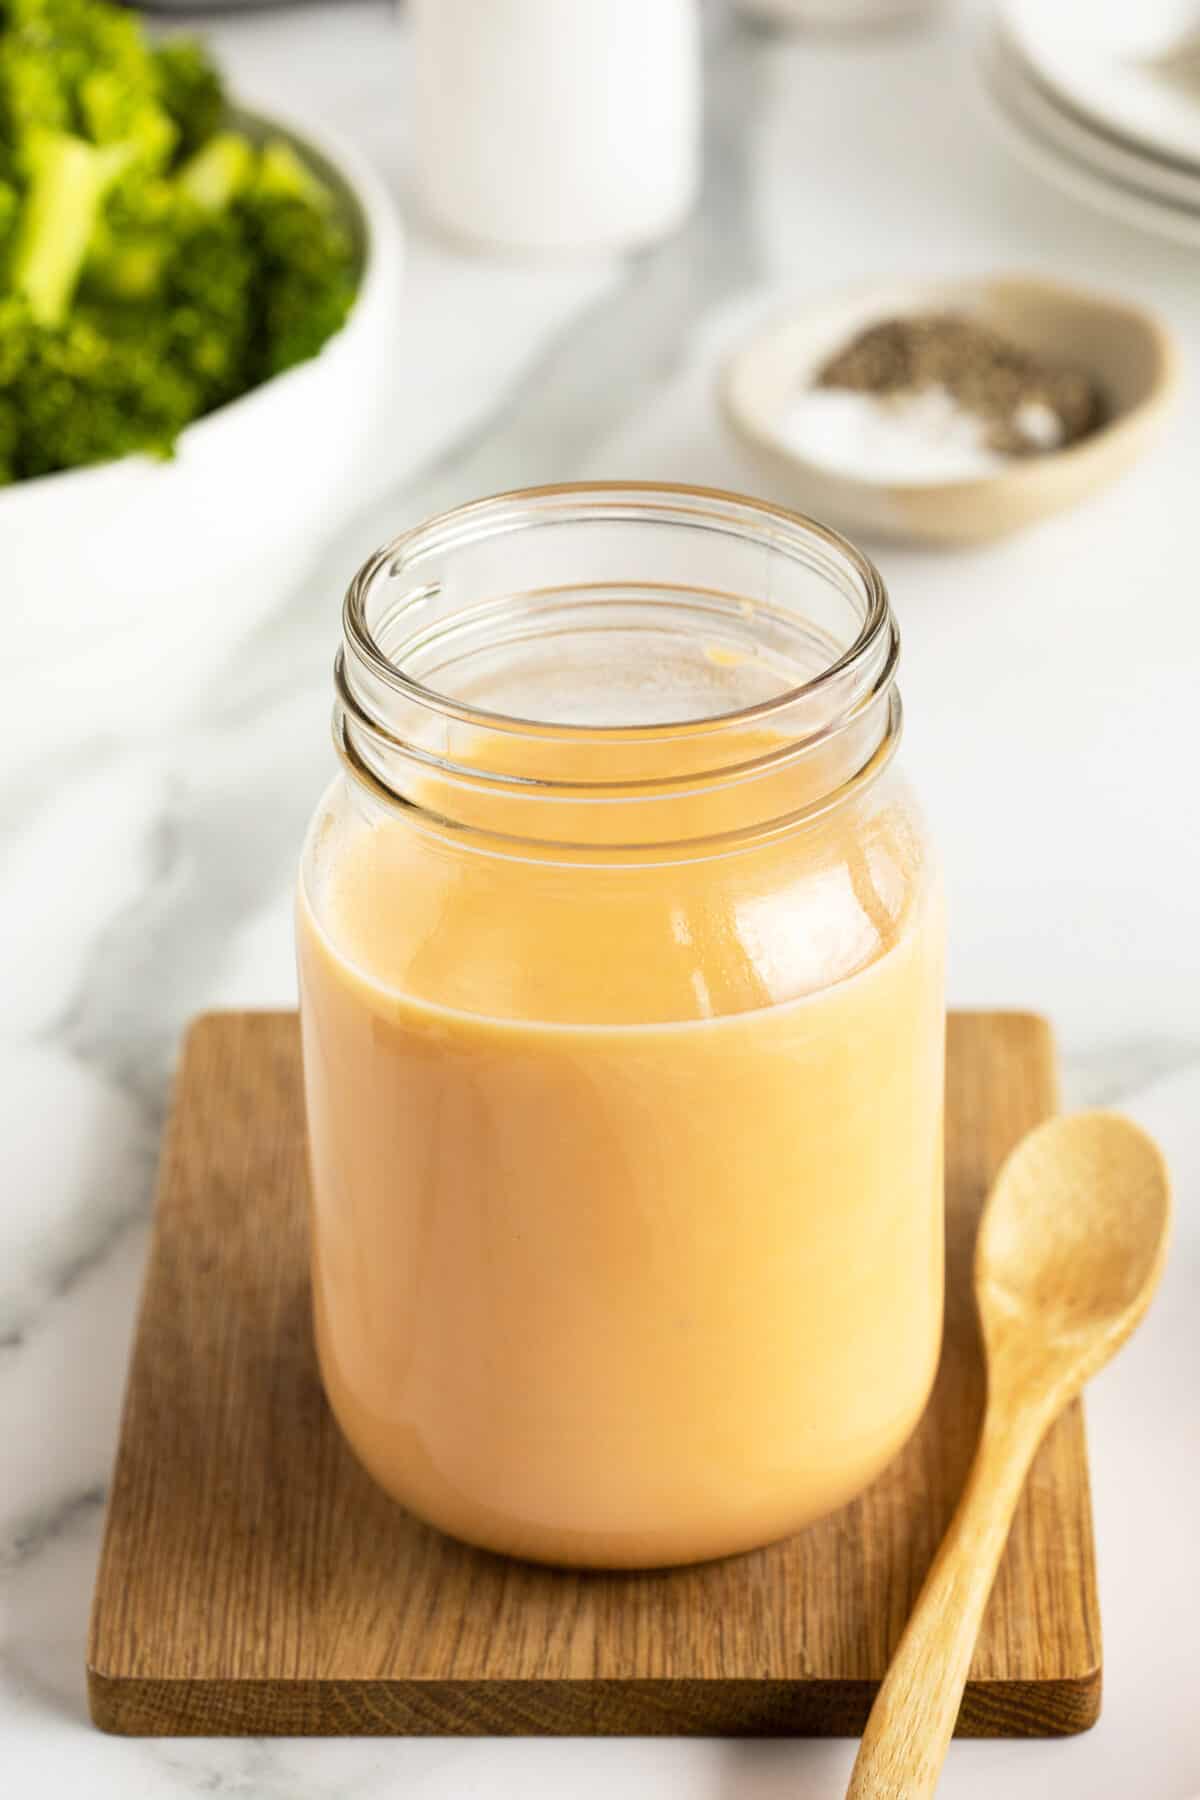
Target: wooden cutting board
x=253 y=1580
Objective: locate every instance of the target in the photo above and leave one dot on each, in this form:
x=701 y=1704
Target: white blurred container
x=838 y=15
x=557 y=125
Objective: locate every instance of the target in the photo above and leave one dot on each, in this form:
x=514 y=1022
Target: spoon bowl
x=1071 y=1247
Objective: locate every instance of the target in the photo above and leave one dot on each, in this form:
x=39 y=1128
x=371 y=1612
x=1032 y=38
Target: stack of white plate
x=1103 y=98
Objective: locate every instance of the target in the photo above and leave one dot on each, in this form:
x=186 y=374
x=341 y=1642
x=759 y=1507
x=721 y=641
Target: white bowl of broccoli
x=196 y=306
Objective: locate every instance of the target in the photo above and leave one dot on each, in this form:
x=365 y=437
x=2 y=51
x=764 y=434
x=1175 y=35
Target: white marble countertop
x=1050 y=688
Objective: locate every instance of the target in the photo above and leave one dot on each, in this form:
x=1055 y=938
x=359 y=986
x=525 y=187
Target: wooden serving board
x=254 y=1580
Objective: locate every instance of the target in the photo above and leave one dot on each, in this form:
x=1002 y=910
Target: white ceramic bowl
x=1126 y=349
x=127 y=583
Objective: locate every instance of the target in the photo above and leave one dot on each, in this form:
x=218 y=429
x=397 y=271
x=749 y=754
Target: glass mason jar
x=621 y=955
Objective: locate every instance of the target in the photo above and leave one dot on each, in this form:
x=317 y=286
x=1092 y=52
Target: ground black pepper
x=1027 y=404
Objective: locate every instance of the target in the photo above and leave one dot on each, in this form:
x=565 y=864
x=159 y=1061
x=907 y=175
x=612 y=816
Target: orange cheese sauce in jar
x=621 y=951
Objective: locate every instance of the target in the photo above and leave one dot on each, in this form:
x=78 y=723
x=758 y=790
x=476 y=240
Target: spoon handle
x=912 y=1720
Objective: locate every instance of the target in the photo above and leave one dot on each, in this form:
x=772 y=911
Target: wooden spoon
x=1071 y=1246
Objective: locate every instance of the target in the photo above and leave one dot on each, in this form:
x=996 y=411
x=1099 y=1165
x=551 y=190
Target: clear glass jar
x=620 y=952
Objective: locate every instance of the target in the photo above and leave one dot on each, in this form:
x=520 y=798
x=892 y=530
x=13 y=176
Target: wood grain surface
x=254 y=1580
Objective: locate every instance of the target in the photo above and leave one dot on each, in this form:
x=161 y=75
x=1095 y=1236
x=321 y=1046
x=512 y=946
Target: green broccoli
x=306 y=260
x=80 y=395
x=154 y=262
x=68 y=181
x=10 y=216
x=33 y=94
x=213 y=178
x=208 y=307
x=191 y=92
x=53 y=52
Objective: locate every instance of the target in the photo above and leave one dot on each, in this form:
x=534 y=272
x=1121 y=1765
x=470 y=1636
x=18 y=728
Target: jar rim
x=877 y=638
x=382 y=709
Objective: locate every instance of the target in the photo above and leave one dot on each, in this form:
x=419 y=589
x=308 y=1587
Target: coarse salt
x=910 y=437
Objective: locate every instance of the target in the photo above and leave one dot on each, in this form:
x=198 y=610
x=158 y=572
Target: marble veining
x=146 y=874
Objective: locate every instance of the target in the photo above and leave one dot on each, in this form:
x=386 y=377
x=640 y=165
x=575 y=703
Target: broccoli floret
x=33 y=95
x=133 y=239
x=306 y=261
x=191 y=92
x=129 y=265
x=187 y=285
x=10 y=433
x=215 y=176
x=10 y=217
x=120 y=374
x=78 y=395
x=116 y=113
x=15 y=329
x=282 y=175
x=68 y=181
x=86 y=67
x=209 y=305
x=51 y=48
x=186 y=261
x=307 y=283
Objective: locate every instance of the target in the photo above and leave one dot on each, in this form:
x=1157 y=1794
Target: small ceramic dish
x=1129 y=352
